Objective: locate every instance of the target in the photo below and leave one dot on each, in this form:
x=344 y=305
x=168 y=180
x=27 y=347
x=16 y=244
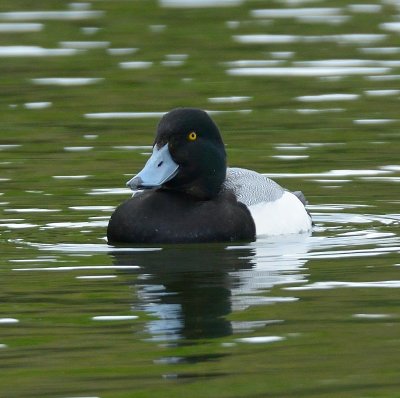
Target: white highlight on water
x=352 y=38
x=260 y=339
x=81 y=224
x=66 y=81
x=80 y=268
x=135 y=65
x=35 y=51
x=84 y=45
x=382 y=93
x=74 y=177
x=4 y=147
x=132 y=147
x=31 y=210
x=307 y=71
x=114 y=317
x=18 y=27
x=199 y=3
x=373 y=121
x=365 y=8
x=78 y=148
x=332 y=173
x=157 y=28
x=124 y=115
x=380 y=50
x=96 y=277
x=90 y=208
x=252 y=63
x=110 y=191
x=89 y=30
x=121 y=51
x=37 y=105
x=327 y=97
x=393 y=284
x=372 y=316
x=229 y=100
x=390 y=26
x=49 y=15
x=383 y=78
x=295 y=12
x=310 y=111
x=17 y=225
x=7 y=321
x=144 y=115
x=348 y=63
x=290 y=157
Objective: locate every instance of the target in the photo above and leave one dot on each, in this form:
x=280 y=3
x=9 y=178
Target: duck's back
x=251 y=187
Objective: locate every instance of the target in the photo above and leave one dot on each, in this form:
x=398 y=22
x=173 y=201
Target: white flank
x=285 y=215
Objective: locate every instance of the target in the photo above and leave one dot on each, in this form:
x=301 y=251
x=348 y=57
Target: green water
x=294 y=316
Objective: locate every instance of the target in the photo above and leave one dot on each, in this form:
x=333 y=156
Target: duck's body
x=275 y=210
x=177 y=217
x=191 y=196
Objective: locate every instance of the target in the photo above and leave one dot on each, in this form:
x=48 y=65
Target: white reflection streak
x=307 y=71
x=49 y=15
x=31 y=210
x=67 y=81
x=348 y=63
x=390 y=26
x=10 y=27
x=394 y=284
x=331 y=173
x=37 y=105
x=35 y=51
x=80 y=268
x=85 y=248
x=84 y=45
x=352 y=253
x=199 y=3
x=328 y=97
x=373 y=121
x=354 y=38
x=82 y=224
x=295 y=12
x=276 y=261
x=260 y=339
x=135 y=64
x=114 y=317
x=18 y=226
x=145 y=115
x=8 y=321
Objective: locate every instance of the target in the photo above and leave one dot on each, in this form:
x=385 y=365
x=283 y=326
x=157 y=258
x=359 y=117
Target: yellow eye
x=192 y=136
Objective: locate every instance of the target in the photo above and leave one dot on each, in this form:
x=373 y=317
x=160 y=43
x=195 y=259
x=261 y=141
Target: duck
x=186 y=193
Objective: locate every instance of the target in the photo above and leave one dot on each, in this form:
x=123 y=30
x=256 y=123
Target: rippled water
x=306 y=93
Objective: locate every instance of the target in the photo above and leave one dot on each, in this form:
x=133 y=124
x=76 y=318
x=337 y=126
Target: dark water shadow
x=187 y=288
x=191 y=289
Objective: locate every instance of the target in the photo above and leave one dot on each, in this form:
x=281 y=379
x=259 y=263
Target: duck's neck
x=204 y=186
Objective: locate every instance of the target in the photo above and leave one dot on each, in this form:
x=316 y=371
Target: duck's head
x=188 y=156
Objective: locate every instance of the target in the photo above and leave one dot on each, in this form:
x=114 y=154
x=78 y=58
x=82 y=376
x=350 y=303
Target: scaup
x=186 y=193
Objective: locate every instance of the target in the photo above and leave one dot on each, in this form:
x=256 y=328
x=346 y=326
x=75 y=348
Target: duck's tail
x=301 y=197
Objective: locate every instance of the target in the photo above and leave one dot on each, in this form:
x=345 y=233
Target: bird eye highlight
x=192 y=136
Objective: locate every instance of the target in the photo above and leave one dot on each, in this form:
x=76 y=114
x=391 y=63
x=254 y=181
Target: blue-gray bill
x=159 y=169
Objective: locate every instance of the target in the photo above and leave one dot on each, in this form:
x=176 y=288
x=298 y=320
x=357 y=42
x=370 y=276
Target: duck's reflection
x=190 y=289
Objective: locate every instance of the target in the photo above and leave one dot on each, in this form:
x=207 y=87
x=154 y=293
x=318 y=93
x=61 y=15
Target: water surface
x=307 y=94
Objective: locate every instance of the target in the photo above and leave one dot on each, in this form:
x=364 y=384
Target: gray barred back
x=251 y=187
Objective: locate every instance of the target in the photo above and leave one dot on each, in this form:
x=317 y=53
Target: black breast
x=164 y=216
